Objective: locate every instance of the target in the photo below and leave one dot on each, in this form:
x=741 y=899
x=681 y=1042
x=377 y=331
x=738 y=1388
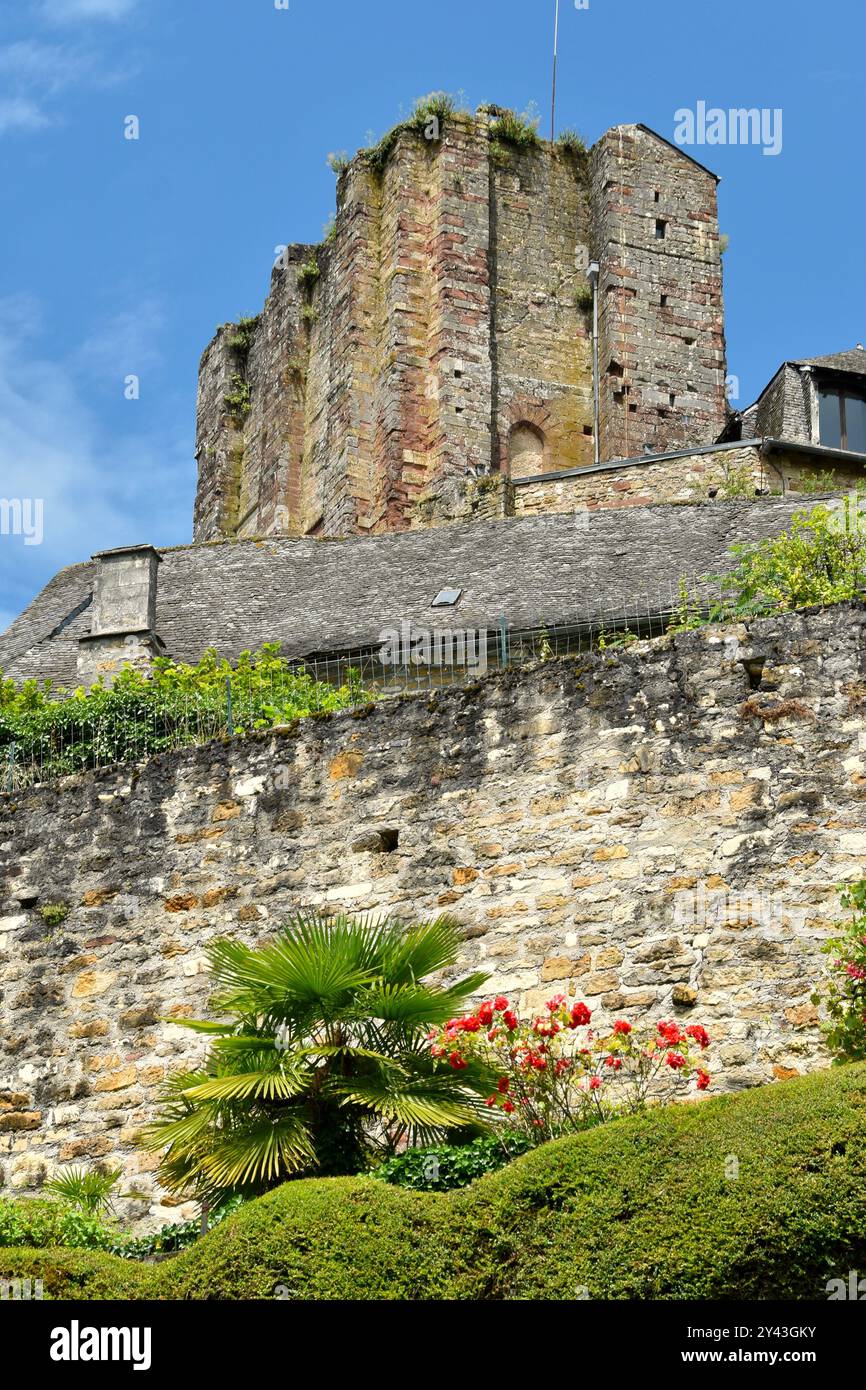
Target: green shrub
x=444 y=1167
x=519 y=130
x=821 y=481
x=39 y=1224
x=574 y=146
x=584 y=299
x=821 y=559
x=237 y=402
x=78 y=1275
x=53 y=914
x=430 y=112
x=241 y=340
x=644 y=1208
x=309 y=273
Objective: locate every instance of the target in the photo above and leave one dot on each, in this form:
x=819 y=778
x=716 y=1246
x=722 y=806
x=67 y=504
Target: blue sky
x=120 y=257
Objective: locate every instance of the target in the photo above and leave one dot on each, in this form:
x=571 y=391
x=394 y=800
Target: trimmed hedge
x=79 y=1275
x=638 y=1209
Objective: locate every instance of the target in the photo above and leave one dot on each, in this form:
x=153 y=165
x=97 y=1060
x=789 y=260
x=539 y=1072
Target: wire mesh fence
x=127 y=726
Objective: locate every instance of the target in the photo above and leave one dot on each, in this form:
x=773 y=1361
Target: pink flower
x=622 y=1027
x=580 y=1016
x=699 y=1034
x=555 y=1003
x=675 y=1060
x=500 y=1003
x=703 y=1080
x=595 y=1083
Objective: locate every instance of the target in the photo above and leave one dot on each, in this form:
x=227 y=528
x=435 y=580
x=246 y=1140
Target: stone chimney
x=124 y=615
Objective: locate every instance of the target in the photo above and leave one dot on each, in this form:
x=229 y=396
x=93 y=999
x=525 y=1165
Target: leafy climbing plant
x=67 y=731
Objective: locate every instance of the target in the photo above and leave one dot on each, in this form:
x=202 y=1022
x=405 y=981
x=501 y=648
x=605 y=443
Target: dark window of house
x=842 y=421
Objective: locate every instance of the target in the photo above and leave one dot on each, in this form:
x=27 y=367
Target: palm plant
x=324 y=1057
x=88 y=1192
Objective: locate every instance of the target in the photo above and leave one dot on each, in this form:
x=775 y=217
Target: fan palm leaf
x=323 y=1052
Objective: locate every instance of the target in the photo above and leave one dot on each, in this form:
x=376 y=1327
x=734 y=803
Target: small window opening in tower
x=661 y=229
x=664 y=301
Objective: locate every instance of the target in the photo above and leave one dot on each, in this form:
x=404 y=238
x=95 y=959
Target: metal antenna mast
x=555 y=54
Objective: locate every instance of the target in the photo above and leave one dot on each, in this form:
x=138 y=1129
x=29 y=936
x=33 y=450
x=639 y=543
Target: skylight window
x=447 y=598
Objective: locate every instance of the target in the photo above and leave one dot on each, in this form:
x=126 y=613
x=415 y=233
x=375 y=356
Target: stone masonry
x=443 y=333
x=657 y=830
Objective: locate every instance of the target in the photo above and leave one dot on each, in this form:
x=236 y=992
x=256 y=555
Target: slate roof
x=319 y=596
x=783 y=411
x=853 y=361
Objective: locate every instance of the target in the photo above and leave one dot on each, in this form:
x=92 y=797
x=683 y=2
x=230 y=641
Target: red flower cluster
x=548 y=1081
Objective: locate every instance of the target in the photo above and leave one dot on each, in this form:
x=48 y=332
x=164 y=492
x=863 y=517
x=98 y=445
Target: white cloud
x=34 y=75
x=71 y=11
x=126 y=343
x=99 y=488
x=45 y=68
x=20 y=113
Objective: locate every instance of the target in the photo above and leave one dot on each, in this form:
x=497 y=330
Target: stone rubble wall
x=657 y=830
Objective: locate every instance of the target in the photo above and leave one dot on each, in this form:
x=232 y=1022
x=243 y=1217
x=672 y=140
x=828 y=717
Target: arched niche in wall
x=526 y=450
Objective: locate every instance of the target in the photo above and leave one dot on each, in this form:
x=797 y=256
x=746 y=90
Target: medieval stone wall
x=442 y=332
x=662 y=335
x=657 y=830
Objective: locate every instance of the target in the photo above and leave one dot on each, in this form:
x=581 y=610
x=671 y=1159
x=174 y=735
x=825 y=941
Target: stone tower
x=442 y=334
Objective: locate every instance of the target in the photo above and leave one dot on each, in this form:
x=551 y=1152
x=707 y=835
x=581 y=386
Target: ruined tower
x=440 y=340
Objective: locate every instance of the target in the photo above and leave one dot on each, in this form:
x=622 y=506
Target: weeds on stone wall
x=428 y=119
x=819 y=561
x=309 y=274
x=573 y=146
x=512 y=130
x=237 y=400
